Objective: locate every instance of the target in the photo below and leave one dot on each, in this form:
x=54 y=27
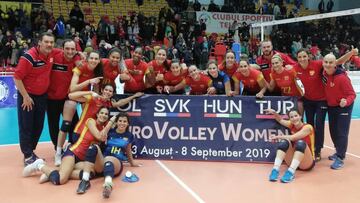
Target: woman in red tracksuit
x=340 y=96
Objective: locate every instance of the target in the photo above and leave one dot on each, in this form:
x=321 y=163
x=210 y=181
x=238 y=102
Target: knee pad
x=300 y=146
x=109 y=169
x=283 y=145
x=65 y=126
x=54 y=177
x=91 y=153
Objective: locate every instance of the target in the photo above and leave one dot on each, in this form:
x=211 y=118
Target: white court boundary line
x=348 y=153
x=181 y=183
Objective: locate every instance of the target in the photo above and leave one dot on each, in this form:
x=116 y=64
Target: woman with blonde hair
x=286 y=80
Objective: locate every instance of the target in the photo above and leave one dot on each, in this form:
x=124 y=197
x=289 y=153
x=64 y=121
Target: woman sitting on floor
x=296 y=149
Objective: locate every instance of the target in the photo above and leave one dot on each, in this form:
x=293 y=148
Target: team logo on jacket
x=312 y=72
x=4 y=91
x=332 y=84
x=286 y=78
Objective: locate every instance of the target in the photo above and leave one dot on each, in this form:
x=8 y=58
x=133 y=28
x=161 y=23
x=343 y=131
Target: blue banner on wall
x=216 y=128
x=8 y=92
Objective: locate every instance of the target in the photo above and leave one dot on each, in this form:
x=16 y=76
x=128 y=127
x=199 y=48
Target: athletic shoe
x=318 y=157
x=83 y=186
x=57 y=159
x=274 y=175
x=337 y=164
x=332 y=157
x=107 y=188
x=43 y=178
x=30 y=159
x=32 y=168
x=287 y=177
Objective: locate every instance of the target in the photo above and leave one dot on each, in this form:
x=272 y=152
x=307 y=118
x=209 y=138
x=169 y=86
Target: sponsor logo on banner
x=8 y=92
x=4 y=91
x=205 y=17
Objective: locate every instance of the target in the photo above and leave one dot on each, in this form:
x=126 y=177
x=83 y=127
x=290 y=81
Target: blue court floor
x=9 y=132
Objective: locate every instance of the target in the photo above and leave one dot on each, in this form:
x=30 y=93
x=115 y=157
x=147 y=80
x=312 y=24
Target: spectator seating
x=93 y=11
x=290 y=6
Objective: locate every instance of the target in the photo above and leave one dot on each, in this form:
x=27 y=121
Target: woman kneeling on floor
x=93 y=132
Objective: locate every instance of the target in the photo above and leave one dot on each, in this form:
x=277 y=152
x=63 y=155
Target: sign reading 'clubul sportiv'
x=216 y=128
x=217 y=22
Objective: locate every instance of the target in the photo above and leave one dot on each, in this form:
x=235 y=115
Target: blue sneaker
x=287 y=177
x=332 y=157
x=274 y=175
x=337 y=164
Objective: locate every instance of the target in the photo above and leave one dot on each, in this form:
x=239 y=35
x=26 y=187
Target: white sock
x=277 y=163
x=108 y=179
x=294 y=165
x=86 y=176
x=58 y=150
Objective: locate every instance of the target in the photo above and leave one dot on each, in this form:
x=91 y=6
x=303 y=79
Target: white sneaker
x=32 y=168
x=43 y=178
x=58 y=159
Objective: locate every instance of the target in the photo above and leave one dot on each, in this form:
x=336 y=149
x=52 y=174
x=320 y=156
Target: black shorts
x=68 y=152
